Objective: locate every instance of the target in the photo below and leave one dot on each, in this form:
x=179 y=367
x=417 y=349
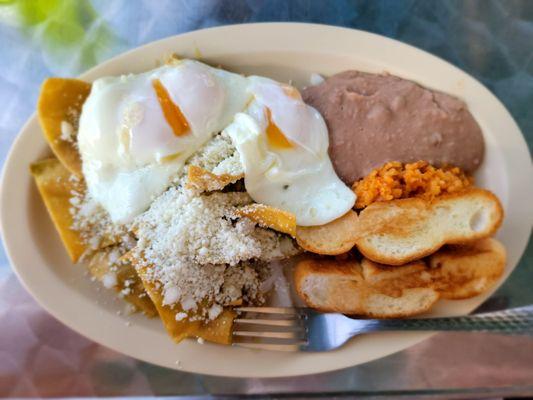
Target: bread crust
x=334 y=238
x=367 y=288
x=405 y=217
x=464 y=271
x=345 y=290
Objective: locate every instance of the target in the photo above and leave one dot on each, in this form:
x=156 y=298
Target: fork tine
x=267 y=322
x=269 y=310
x=269 y=335
x=276 y=328
x=269 y=346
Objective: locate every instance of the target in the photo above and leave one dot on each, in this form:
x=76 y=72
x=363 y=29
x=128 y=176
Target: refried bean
x=373 y=119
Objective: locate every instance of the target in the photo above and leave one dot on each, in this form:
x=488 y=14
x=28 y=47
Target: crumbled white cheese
x=109 y=280
x=180 y=223
x=219 y=156
x=231 y=166
x=171 y=295
x=198 y=250
x=67 y=132
x=214 y=311
x=95 y=226
x=180 y=316
x=114 y=255
x=188 y=304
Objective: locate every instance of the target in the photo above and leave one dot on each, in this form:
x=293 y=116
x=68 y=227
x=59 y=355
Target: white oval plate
x=285 y=52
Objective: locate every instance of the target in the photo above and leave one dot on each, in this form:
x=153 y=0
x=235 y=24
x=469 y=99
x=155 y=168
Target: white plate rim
x=229 y=361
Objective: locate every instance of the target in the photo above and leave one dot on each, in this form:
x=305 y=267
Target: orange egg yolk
x=171 y=111
x=275 y=137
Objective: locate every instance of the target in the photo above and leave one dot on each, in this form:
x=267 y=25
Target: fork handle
x=512 y=321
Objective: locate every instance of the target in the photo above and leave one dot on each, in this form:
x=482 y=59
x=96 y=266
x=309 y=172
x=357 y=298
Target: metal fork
x=302 y=329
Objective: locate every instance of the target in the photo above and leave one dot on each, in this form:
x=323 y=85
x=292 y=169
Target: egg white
x=300 y=179
x=129 y=151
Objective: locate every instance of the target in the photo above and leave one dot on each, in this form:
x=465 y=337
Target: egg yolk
x=275 y=137
x=171 y=111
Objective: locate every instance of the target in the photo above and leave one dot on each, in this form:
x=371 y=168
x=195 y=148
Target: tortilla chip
x=127 y=280
x=55 y=185
x=60 y=101
x=216 y=331
x=270 y=217
x=201 y=180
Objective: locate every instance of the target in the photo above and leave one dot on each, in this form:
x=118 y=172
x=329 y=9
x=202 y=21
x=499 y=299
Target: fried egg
x=283 y=146
x=136 y=131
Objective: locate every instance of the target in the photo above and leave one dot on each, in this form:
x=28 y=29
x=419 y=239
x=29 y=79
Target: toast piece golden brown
x=333 y=238
x=392 y=280
x=346 y=286
x=384 y=291
x=461 y=272
x=400 y=231
x=59 y=107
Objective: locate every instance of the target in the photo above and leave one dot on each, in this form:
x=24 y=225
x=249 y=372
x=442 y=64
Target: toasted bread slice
x=392 y=280
x=413 y=301
x=461 y=272
x=384 y=291
x=333 y=238
x=455 y=271
x=332 y=285
x=400 y=231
